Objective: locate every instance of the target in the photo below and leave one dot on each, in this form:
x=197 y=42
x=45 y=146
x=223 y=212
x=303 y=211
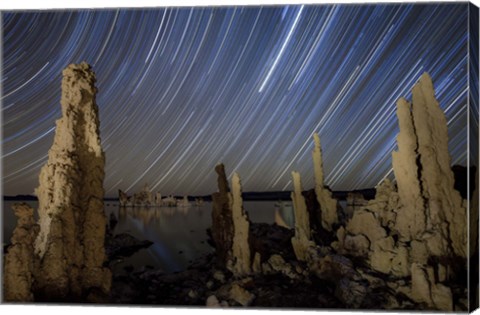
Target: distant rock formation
x=158 y=199
x=143 y=198
x=241 y=257
x=70 y=244
x=19 y=260
x=328 y=205
x=122 y=198
x=302 y=239
x=184 y=202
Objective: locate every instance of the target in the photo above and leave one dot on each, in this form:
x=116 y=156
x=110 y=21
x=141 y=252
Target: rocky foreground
x=338 y=281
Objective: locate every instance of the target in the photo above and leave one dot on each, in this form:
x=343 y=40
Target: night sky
x=183 y=89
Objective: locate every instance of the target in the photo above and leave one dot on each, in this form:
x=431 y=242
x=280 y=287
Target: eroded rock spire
x=432 y=209
x=222 y=222
x=241 y=257
x=302 y=239
x=328 y=205
x=70 y=245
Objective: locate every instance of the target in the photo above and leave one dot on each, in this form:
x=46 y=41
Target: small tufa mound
x=19 y=260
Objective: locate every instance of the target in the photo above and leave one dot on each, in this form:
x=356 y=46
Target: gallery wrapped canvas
x=304 y=156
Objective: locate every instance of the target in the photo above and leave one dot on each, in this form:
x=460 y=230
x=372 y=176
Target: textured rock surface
x=328 y=205
x=302 y=239
x=424 y=289
x=222 y=222
x=276 y=263
x=431 y=207
x=240 y=295
x=70 y=244
x=241 y=256
x=418 y=231
x=355 y=201
x=19 y=260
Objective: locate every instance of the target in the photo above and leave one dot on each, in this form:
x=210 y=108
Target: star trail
x=182 y=89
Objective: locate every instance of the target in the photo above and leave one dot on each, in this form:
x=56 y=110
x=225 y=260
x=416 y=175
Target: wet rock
x=124 y=245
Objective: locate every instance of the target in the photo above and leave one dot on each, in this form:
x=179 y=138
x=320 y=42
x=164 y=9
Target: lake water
x=179 y=234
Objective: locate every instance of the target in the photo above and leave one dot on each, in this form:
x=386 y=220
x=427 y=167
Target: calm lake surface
x=179 y=234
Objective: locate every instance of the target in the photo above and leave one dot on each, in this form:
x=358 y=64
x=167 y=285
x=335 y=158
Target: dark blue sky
x=182 y=89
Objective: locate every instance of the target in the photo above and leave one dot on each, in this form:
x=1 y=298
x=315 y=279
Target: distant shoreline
x=247 y=196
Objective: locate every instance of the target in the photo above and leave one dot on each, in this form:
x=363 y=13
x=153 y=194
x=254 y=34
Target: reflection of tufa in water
x=184 y=202
x=146 y=198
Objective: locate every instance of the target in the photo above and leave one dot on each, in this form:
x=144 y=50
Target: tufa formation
x=68 y=255
x=19 y=261
x=418 y=232
x=328 y=205
x=222 y=221
x=241 y=261
x=70 y=245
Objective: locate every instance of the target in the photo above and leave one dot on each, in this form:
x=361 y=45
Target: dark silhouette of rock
x=222 y=221
x=124 y=245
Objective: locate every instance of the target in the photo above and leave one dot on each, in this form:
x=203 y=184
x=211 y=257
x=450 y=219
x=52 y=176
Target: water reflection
x=179 y=234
